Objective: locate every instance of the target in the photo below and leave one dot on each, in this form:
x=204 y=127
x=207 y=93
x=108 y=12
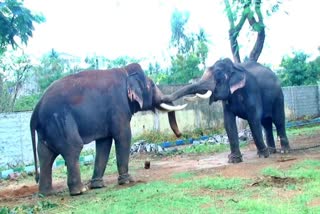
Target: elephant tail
x=33 y=125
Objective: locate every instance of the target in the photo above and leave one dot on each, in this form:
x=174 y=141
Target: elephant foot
x=46 y=192
x=285 y=149
x=234 y=158
x=125 y=179
x=272 y=150
x=96 y=183
x=78 y=191
x=264 y=153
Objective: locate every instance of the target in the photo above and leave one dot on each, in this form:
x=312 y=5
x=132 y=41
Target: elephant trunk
x=171 y=114
x=200 y=87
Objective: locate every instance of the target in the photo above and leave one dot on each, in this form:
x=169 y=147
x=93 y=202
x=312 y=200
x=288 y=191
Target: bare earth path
x=13 y=193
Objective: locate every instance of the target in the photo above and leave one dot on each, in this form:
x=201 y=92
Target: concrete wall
x=15 y=140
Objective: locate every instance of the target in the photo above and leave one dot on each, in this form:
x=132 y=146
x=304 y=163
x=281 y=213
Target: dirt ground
x=14 y=193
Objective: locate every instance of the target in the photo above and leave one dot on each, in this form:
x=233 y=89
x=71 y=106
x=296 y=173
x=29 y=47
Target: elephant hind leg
x=71 y=155
x=46 y=159
x=279 y=122
x=267 y=125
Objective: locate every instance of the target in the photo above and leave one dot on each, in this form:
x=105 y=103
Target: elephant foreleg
x=122 y=144
x=256 y=129
x=232 y=132
x=103 y=147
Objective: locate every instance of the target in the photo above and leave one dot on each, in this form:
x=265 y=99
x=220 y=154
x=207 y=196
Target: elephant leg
x=281 y=132
x=73 y=167
x=122 y=145
x=279 y=122
x=46 y=159
x=231 y=128
x=103 y=147
x=256 y=129
x=267 y=125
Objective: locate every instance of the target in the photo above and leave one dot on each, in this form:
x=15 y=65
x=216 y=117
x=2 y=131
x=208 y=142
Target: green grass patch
x=303 y=130
x=183 y=175
x=159 y=137
x=205 y=148
x=197 y=193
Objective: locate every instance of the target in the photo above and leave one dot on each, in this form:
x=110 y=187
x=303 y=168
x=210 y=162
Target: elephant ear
x=134 y=83
x=237 y=78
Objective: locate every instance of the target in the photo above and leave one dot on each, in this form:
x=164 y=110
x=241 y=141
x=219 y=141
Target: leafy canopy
x=16 y=21
x=297 y=70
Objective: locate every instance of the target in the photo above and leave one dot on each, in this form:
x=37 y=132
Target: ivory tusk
x=172 y=108
x=204 y=96
x=191 y=99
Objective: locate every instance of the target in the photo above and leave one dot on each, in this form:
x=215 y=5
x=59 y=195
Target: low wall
x=15 y=140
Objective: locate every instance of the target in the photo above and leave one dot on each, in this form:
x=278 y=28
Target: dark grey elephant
x=92 y=106
x=248 y=90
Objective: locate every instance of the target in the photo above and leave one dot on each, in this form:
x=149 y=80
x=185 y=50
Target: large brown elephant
x=92 y=106
x=248 y=90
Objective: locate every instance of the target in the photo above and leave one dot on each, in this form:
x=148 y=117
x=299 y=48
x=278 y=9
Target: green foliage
x=26 y=103
x=297 y=71
x=240 y=11
x=159 y=137
x=205 y=148
x=184 y=68
x=305 y=130
x=51 y=68
x=38 y=208
x=121 y=61
x=155 y=137
x=17 y=68
x=191 y=51
x=16 y=21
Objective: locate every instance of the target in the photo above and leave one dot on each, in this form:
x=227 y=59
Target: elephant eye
x=219 y=76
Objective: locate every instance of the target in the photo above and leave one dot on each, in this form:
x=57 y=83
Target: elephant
x=88 y=106
x=247 y=90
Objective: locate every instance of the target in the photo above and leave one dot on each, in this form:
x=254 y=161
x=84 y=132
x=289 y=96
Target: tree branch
x=260 y=29
x=235 y=29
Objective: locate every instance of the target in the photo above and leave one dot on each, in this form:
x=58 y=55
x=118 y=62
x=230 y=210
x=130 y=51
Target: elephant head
x=217 y=83
x=145 y=95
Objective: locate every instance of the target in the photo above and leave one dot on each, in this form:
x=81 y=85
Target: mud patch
x=274 y=181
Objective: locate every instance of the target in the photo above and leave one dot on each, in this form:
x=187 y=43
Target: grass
x=192 y=192
x=304 y=130
x=294 y=190
x=205 y=148
x=159 y=137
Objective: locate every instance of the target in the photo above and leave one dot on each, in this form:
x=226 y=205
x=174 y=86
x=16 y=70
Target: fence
x=15 y=140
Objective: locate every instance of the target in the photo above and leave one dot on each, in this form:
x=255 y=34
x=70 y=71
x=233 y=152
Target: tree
x=51 y=68
x=17 y=67
x=191 y=50
x=238 y=13
x=297 y=71
x=121 y=61
x=16 y=21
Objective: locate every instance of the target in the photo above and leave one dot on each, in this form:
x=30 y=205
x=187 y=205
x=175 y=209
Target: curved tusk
x=191 y=99
x=204 y=96
x=172 y=108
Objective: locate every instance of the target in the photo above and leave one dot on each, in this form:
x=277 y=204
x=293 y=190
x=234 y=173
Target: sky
x=141 y=28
